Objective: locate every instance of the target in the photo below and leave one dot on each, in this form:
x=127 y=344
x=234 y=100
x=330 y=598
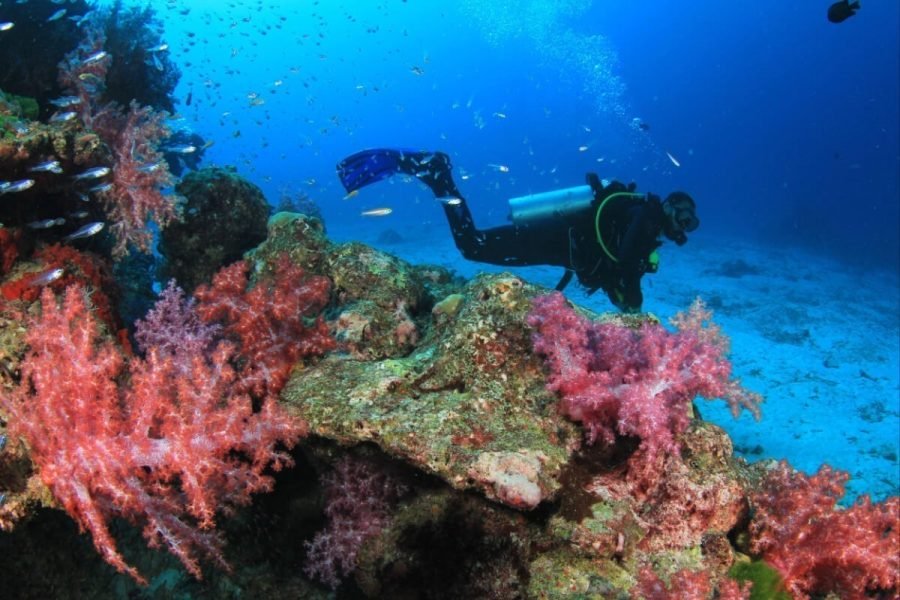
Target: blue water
x=784 y=126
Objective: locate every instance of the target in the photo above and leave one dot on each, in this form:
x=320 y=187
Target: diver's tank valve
x=550 y=206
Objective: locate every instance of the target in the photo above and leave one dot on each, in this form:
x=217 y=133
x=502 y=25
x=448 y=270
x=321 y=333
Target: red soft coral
x=617 y=380
x=165 y=452
x=276 y=323
x=819 y=548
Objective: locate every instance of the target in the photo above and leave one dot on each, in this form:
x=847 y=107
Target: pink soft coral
x=617 y=380
x=138 y=170
x=819 y=548
x=163 y=451
x=275 y=323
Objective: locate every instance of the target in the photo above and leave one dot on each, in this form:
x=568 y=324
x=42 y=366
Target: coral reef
x=223 y=216
x=447 y=467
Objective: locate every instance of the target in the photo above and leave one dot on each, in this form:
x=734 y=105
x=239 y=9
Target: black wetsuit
x=630 y=226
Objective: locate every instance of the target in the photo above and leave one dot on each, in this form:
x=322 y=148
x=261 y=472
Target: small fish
x=160 y=48
x=79 y=214
x=86 y=231
x=63 y=116
x=46 y=223
x=673 y=159
x=377 y=212
x=416 y=70
x=452 y=201
x=155 y=62
x=65 y=101
x=90 y=78
x=583 y=148
x=7 y=25
x=46 y=277
x=180 y=149
x=2 y=441
x=152 y=167
x=500 y=115
x=94 y=173
x=7 y=187
x=58 y=15
x=48 y=166
x=352 y=194
x=103 y=187
x=80 y=19
x=96 y=56
x=501 y=168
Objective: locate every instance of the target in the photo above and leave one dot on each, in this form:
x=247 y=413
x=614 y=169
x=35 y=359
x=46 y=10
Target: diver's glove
x=596 y=185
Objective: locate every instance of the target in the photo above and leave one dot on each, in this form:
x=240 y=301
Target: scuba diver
x=842 y=10
x=603 y=233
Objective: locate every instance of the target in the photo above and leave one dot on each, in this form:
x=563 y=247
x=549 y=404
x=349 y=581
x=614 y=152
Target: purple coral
x=172 y=326
x=360 y=499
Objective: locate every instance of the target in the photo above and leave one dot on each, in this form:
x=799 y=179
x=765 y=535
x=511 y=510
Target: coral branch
x=167 y=451
x=819 y=548
x=617 y=380
x=270 y=322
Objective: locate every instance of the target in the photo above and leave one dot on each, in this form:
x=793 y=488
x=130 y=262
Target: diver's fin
x=360 y=169
x=369 y=166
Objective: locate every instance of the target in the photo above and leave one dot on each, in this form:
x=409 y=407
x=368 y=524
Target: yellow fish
x=351 y=194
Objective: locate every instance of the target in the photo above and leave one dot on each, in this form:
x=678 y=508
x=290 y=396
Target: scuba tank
x=535 y=209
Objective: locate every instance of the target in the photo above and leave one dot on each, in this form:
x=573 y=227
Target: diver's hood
x=681 y=216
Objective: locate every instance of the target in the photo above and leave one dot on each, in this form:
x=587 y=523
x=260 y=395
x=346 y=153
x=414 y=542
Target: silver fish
x=65 y=101
x=48 y=166
x=46 y=223
x=150 y=168
x=86 y=231
x=7 y=25
x=47 y=277
x=58 y=15
x=180 y=149
x=103 y=187
x=94 y=173
x=63 y=117
x=98 y=55
x=11 y=187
